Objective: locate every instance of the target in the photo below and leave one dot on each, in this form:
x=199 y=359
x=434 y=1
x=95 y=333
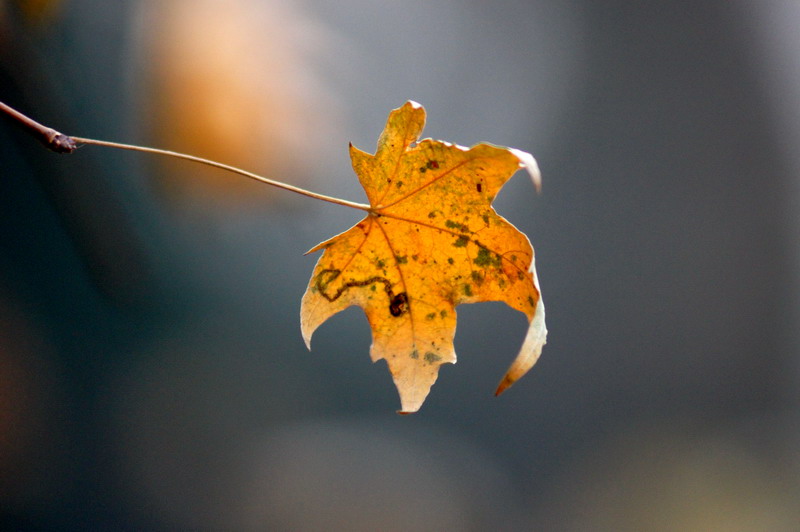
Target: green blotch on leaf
x=401 y=259
x=531 y=301
x=477 y=277
x=443 y=314
x=431 y=357
x=486 y=258
x=461 y=242
x=468 y=290
x=450 y=224
x=414 y=354
x=450 y=260
x=432 y=214
x=430 y=316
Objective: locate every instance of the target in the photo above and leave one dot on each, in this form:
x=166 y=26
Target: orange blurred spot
x=234 y=82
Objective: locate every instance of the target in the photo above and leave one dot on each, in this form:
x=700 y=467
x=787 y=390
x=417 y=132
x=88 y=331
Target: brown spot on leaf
x=398 y=305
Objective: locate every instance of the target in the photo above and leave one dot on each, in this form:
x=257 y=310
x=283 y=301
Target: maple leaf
x=430 y=241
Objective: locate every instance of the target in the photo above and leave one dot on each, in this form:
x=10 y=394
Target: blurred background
x=152 y=372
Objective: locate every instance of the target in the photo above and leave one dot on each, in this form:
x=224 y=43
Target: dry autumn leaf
x=430 y=241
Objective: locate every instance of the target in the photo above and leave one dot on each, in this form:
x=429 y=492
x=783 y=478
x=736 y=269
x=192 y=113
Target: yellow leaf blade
x=430 y=241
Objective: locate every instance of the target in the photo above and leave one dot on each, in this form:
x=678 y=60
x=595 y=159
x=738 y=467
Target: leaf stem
x=61 y=143
x=226 y=167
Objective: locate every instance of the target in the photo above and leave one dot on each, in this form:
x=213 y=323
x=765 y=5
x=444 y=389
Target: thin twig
x=61 y=143
x=49 y=137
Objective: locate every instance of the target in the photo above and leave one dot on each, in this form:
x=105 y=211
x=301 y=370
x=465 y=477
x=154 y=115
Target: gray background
x=152 y=373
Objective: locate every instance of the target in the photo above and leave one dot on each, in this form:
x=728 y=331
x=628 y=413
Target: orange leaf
x=430 y=241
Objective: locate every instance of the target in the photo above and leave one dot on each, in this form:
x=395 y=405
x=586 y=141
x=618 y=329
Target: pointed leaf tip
x=532 y=346
x=504 y=385
x=527 y=162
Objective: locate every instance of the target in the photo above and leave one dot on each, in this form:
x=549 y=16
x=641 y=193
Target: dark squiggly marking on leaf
x=398 y=303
